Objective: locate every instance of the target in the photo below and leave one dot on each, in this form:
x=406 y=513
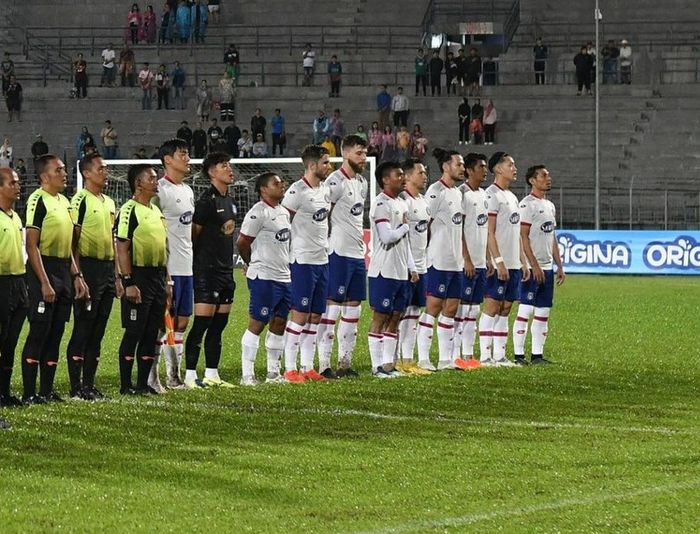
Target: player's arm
x=561 y=276
x=244 y=242
x=125 y=231
x=469 y=269
x=252 y=224
x=36 y=211
x=492 y=248
x=387 y=235
x=118 y=285
x=81 y=288
x=527 y=255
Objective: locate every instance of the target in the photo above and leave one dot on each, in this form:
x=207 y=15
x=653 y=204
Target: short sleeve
x=432 y=199
x=36 y=211
x=335 y=188
x=127 y=223
x=292 y=199
x=203 y=212
x=525 y=213
x=382 y=212
x=77 y=209
x=252 y=224
x=492 y=203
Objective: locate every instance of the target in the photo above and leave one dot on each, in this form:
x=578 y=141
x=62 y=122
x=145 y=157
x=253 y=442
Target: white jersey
x=269 y=228
x=476 y=218
x=176 y=201
x=445 y=245
x=418 y=220
x=389 y=261
x=310 y=207
x=540 y=215
x=504 y=206
x=348 y=197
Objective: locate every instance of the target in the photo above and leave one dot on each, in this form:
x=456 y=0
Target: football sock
x=460 y=320
x=425 y=336
x=520 y=328
x=179 y=351
x=307 y=346
x=408 y=331
x=291 y=345
x=274 y=346
x=486 y=324
x=49 y=362
x=326 y=334
x=249 y=350
x=445 y=333
x=347 y=334
x=539 y=328
x=389 y=341
x=191 y=375
x=375 y=349
x=500 y=337
x=469 y=331
x=212 y=343
x=193 y=345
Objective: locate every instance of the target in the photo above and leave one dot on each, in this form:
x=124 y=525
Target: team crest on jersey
x=514 y=218
x=186 y=218
x=547 y=227
x=457 y=218
x=228 y=227
x=421 y=226
x=264 y=311
x=481 y=219
x=320 y=215
x=386 y=303
x=357 y=209
x=283 y=235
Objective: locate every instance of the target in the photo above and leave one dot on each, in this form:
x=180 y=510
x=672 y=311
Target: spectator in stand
x=149 y=25
x=134 y=23
x=183 y=18
x=419 y=143
x=403 y=144
x=140 y=153
x=258 y=124
x=185 y=133
x=383 y=106
x=464 y=113
x=200 y=17
x=308 y=63
x=199 y=141
x=21 y=170
x=473 y=72
x=490 y=119
x=203 y=96
x=109 y=140
x=436 y=66
x=461 y=61
x=81 y=77
x=388 y=145
x=127 y=66
x=591 y=52
x=321 y=127
x=451 y=74
x=245 y=145
x=231 y=135
x=337 y=130
x=83 y=142
x=146 y=85
x=226 y=96
x=232 y=60
x=7 y=70
x=540 y=52
x=360 y=132
x=329 y=146
x=6 y=154
x=167 y=24
x=259 y=147
x=611 y=53
x=421 y=68
x=625 y=62
x=108 y=67
x=335 y=73
x=278 y=132
x=214 y=10
x=162 y=80
x=476 y=130
x=583 y=62
x=177 y=77
x=374 y=147
x=214 y=134
x=489 y=72
x=478 y=110
x=400 y=107
x=13 y=99
x=39 y=148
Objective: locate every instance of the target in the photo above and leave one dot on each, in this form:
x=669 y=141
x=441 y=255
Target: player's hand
x=561 y=276
x=48 y=295
x=133 y=294
x=119 y=288
x=526 y=273
x=414 y=277
x=489 y=268
x=169 y=296
x=82 y=292
x=469 y=269
x=245 y=269
x=538 y=274
x=502 y=272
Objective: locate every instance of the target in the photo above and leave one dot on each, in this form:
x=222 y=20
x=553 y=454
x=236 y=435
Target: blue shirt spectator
x=178 y=76
x=277 y=122
x=383 y=99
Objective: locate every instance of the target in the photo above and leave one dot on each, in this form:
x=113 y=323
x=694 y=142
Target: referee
x=212 y=236
x=13 y=304
x=142 y=257
x=93 y=248
x=52 y=267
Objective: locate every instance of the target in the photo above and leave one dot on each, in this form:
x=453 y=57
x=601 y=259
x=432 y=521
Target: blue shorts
x=473 y=288
x=387 y=295
x=183 y=296
x=443 y=284
x=346 y=278
x=415 y=293
x=538 y=295
x=504 y=291
x=268 y=298
x=309 y=287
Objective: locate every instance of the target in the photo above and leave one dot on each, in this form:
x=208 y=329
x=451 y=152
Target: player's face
x=148 y=182
x=98 y=174
x=542 y=180
x=323 y=167
x=478 y=172
x=274 y=188
x=222 y=173
x=56 y=175
x=356 y=157
x=395 y=182
x=455 y=168
x=180 y=161
x=508 y=170
x=418 y=177
x=10 y=189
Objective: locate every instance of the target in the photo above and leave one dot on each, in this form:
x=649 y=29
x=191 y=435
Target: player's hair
x=409 y=164
x=350 y=141
x=383 y=170
x=170 y=147
x=88 y=161
x=212 y=160
x=312 y=154
x=262 y=179
x=443 y=156
x=473 y=158
x=135 y=173
x=5 y=172
x=42 y=163
x=532 y=172
x=496 y=158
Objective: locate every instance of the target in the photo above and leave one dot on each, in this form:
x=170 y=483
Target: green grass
x=606 y=440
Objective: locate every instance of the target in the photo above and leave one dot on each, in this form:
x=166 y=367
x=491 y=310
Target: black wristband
x=127 y=280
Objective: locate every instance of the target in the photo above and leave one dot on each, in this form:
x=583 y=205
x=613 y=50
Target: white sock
x=460 y=320
x=520 y=328
x=307 y=344
x=167 y=354
x=190 y=375
x=347 y=334
x=445 y=333
x=375 y=349
x=153 y=379
x=211 y=374
x=274 y=346
x=407 y=332
x=469 y=331
x=291 y=345
x=179 y=350
x=389 y=340
x=326 y=334
x=540 y=328
x=486 y=335
x=425 y=336
x=500 y=337
x=249 y=350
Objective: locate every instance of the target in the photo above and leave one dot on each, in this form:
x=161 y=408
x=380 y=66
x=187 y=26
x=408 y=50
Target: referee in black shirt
x=213 y=226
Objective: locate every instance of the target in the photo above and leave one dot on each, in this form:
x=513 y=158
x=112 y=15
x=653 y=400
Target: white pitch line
x=525 y=510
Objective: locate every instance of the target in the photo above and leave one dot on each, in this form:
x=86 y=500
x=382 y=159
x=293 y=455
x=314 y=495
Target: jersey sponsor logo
x=457 y=218
x=283 y=235
x=514 y=218
x=320 y=215
x=681 y=253
x=482 y=219
x=357 y=209
x=186 y=218
x=421 y=226
x=547 y=227
x=598 y=253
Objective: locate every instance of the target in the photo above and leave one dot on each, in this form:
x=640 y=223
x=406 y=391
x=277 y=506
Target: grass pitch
x=606 y=440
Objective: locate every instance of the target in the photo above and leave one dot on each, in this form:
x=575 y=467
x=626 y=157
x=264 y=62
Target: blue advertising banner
x=630 y=252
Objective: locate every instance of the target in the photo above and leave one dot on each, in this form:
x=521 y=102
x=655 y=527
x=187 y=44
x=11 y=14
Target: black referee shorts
x=58 y=272
x=99 y=277
x=151 y=284
x=13 y=296
x=214 y=287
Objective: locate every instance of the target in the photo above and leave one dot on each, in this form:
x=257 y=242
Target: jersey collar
x=536 y=196
x=444 y=183
x=268 y=204
x=346 y=174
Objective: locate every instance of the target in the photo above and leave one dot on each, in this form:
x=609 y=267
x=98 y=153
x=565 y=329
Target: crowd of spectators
x=181 y=21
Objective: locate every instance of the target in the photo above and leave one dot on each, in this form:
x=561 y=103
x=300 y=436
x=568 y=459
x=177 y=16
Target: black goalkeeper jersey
x=213 y=249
